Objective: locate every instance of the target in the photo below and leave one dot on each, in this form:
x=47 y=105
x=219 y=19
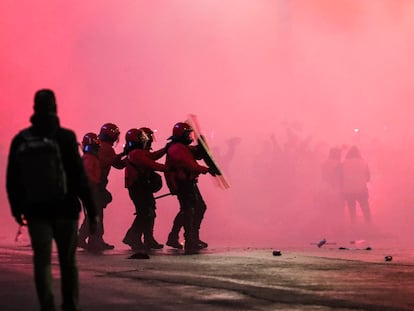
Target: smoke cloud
x=275 y=85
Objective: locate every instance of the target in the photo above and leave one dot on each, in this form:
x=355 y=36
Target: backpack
x=155 y=182
x=41 y=169
x=152 y=179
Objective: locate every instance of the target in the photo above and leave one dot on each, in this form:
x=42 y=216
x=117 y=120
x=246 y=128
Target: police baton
x=162 y=195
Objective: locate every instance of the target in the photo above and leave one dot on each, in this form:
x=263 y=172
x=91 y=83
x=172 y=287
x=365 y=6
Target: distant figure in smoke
x=355 y=176
x=108 y=136
x=330 y=201
x=45 y=180
x=182 y=178
x=225 y=159
x=142 y=182
x=331 y=177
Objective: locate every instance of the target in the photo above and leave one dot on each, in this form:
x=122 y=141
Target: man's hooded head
x=45 y=102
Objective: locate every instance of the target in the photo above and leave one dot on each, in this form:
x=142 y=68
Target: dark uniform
x=90 y=147
x=182 y=178
x=108 y=135
x=141 y=182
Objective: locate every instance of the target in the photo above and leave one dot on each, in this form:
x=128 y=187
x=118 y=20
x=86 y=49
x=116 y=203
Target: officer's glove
x=213 y=171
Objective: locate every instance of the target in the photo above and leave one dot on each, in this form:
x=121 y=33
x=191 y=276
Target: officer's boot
x=173 y=237
x=83 y=233
x=150 y=242
x=198 y=218
x=191 y=244
x=133 y=235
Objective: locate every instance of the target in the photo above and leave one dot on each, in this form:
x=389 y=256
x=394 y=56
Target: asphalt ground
x=355 y=277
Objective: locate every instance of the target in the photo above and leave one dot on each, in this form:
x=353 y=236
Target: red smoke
x=280 y=81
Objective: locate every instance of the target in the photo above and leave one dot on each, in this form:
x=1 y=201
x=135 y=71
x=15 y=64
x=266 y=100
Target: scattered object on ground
x=139 y=256
x=369 y=248
x=356 y=241
x=323 y=242
x=388 y=258
x=277 y=253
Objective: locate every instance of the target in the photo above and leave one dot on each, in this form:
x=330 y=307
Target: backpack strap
x=27 y=134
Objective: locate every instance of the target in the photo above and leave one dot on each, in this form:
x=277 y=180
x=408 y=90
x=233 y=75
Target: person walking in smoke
x=331 y=177
x=90 y=148
x=182 y=178
x=142 y=182
x=45 y=180
x=329 y=200
x=108 y=136
x=225 y=158
x=355 y=175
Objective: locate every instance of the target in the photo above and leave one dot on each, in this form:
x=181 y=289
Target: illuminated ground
x=315 y=278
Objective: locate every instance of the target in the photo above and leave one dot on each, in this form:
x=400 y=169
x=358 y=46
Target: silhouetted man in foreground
x=45 y=179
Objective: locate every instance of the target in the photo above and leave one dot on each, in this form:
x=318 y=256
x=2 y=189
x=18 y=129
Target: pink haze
x=280 y=81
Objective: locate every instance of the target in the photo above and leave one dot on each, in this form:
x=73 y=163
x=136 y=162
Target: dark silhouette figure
x=355 y=176
x=330 y=202
x=142 y=182
x=182 y=178
x=51 y=214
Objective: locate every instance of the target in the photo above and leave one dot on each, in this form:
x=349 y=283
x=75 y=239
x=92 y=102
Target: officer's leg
x=95 y=242
x=83 y=233
x=150 y=242
x=134 y=233
x=200 y=209
x=173 y=237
